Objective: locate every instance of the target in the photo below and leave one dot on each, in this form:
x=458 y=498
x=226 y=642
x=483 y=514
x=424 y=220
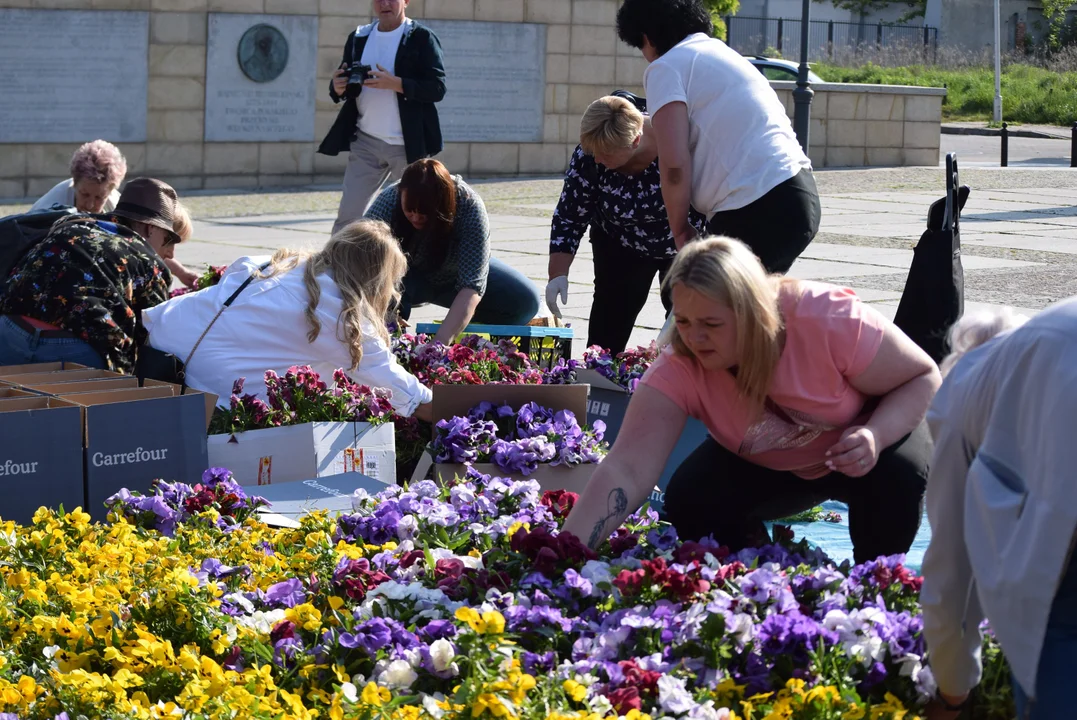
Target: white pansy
x=430 y=705
x=350 y=692
x=414 y=657
x=239 y=599
x=407 y=528
x=600 y=705
x=398 y=674
x=672 y=695
x=358 y=497
x=442 y=653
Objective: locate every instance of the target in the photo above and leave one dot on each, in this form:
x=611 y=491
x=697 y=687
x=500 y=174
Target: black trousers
x=779 y=225
x=716 y=491
x=622 y=284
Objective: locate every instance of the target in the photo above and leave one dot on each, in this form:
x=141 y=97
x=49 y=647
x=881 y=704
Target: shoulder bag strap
x=227 y=302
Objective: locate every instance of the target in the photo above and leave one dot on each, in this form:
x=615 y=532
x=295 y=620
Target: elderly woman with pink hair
x=97 y=170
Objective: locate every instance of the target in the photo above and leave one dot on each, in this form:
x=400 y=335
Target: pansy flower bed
x=443 y=602
x=517 y=441
x=624 y=369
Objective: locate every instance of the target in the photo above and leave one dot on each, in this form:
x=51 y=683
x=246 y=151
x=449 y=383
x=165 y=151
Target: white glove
x=557 y=286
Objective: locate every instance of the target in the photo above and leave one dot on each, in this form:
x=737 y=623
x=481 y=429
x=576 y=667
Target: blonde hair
x=726 y=271
x=181 y=222
x=972 y=331
x=366 y=263
x=610 y=124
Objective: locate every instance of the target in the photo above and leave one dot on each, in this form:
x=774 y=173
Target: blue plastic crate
x=543 y=345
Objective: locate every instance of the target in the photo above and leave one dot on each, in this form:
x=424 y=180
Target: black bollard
x=1005 y=146
x=1073 y=146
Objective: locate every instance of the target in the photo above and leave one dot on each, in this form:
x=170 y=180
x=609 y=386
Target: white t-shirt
x=63 y=193
x=741 y=140
x=266 y=329
x=379 y=111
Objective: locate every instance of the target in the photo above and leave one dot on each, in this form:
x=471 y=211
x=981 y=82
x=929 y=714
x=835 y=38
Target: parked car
x=779 y=69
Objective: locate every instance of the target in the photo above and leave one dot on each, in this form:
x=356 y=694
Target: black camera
x=357 y=75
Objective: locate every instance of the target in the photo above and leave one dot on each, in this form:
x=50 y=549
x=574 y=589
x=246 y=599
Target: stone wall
x=871 y=125
x=584 y=60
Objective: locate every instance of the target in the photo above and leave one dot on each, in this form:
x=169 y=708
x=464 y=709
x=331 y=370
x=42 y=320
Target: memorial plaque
x=261 y=77
x=496 y=79
x=73 y=75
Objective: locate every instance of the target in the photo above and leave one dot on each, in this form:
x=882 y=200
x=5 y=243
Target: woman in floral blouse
x=443 y=229
x=76 y=295
x=613 y=186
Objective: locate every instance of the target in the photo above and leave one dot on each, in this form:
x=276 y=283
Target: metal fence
x=827 y=39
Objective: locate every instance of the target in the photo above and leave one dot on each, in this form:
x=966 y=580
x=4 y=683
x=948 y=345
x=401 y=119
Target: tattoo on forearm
x=616 y=507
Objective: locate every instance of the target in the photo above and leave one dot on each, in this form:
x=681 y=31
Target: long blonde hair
x=726 y=271
x=366 y=263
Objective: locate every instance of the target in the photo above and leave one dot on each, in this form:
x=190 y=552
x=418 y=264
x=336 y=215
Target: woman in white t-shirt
x=725 y=144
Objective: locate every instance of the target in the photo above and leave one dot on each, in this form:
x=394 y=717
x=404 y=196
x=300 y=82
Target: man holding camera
x=391 y=75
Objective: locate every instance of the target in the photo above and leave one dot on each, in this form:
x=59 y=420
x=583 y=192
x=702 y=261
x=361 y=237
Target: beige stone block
x=175 y=125
x=333 y=32
x=331 y=164
x=885 y=157
x=580 y=96
x=558 y=38
x=186 y=182
x=177 y=61
x=15 y=189
x=280 y=158
x=59 y=4
x=456 y=157
x=592 y=70
x=817 y=135
x=921 y=157
x=328 y=62
x=230 y=158
x=786 y=99
x=499 y=10
x=543 y=158
x=922 y=135
x=342 y=7
x=848 y=133
x=228 y=182
x=847 y=106
x=178 y=28
x=323 y=121
x=52 y=160
x=593 y=40
x=450 y=9
x=560 y=99
x=19 y=4
x=552 y=129
x=38 y=186
x=170 y=160
x=886 y=107
x=627 y=50
x=295 y=181
x=135 y=155
x=884 y=134
x=417 y=9
x=322 y=101
x=630 y=70
x=120 y=4
x=819 y=105
x=494 y=159
x=12 y=161
x=923 y=108
x=292 y=7
x=817 y=155
x=179 y=5
x=176 y=94
x=237 y=6
x=845 y=156
x=594 y=12
x=331 y=181
x=551 y=12
x=557 y=68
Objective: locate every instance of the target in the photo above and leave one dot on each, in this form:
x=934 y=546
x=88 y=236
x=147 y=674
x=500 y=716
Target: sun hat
x=149 y=201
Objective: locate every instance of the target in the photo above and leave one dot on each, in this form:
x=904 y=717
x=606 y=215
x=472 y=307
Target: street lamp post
x=998 y=64
x=802 y=96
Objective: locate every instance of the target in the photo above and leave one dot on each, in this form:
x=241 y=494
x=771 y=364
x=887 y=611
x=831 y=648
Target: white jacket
x=266 y=329
x=1001 y=498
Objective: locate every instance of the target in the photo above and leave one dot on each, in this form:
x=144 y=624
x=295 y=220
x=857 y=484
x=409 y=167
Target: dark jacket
x=421 y=67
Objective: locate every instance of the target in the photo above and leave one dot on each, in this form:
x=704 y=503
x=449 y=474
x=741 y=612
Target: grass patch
x=1030 y=95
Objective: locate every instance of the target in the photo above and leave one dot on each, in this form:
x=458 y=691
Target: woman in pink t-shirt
x=808 y=395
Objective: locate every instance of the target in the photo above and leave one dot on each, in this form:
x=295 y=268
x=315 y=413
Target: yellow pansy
x=574 y=690
x=375 y=695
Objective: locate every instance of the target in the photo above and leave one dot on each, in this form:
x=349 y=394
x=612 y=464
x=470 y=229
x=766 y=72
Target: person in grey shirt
x=1002 y=502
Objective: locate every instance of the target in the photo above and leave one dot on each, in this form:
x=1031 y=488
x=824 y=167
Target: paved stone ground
x=1019 y=234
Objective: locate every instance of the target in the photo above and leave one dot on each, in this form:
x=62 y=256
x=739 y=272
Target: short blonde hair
x=609 y=124
x=727 y=271
x=181 y=223
x=972 y=331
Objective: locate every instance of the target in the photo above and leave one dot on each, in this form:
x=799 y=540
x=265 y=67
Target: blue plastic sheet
x=834 y=538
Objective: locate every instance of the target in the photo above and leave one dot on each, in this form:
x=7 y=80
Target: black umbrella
x=934 y=296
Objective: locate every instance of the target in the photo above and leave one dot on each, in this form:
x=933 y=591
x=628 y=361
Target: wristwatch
x=949 y=707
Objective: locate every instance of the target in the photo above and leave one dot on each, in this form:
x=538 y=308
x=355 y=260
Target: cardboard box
x=332 y=492
x=299 y=452
x=82 y=386
x=133 y=437
x=6 y=393
x=40 y=456
x=457 y=400
x=6 y=370
x=56 y=376
x=608 y=402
